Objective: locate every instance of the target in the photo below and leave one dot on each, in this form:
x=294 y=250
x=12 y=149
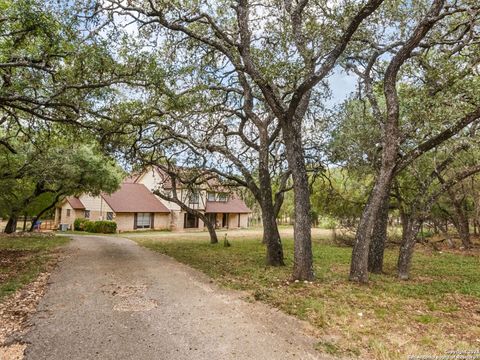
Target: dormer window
x=217 y=197
x=210 y=196
x=222 y=197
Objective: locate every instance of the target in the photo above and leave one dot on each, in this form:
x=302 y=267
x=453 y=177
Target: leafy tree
x=40 y=174
x=420 y=186
x=275 y=61
x=402 y=83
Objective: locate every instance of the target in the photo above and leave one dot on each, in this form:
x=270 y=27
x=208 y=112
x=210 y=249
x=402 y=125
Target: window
x=87 y=214
x=109 y=215
x=143 y=220
x=222 y=197
x=190 y=221
x=193 y=198
x=212 y=196
x=68 y=212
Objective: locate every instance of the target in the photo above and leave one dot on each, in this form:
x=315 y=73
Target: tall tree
x=438 y=38
x=282 y=55
x=419 y=188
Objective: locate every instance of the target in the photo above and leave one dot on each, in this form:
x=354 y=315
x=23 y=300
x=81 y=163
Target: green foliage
x=100 y=226
x=105 y=227
x=328 y=223
x=42 y=173
x=89 y=226
x=79 y=224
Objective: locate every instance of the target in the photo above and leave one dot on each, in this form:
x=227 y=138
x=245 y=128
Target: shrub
x=328 y=223
x=89 y=226
x=79 y=224
x=101 y=226
x=106 y=227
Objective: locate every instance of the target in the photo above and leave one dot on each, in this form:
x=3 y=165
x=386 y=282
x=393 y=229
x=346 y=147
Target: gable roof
x=234 y=205
x=134 y=198
x=75 y=203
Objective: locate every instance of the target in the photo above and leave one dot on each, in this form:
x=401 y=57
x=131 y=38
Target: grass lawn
x=438 y=310
x=23 y=258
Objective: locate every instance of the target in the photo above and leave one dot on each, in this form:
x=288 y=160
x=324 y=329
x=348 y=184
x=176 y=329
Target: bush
x=105 y=227
x=89 y=226
x=101 y=226
x=79 y=224
x=328 y=223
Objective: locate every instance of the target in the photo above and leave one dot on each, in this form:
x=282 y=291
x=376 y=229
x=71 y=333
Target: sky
x=341 y=85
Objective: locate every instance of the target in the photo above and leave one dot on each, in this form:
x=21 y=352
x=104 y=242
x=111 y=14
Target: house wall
x=243 y=220
x=97 y=205
x=161 y=221
x=153 y=181
x=233 y=221
x=61 y=215
x=125 y=221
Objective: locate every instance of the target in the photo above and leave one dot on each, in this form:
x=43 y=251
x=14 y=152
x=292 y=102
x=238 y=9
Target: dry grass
x=436 y=311
x=22 y=258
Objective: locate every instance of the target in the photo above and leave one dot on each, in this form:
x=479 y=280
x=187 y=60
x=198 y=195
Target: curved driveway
x=112 y=299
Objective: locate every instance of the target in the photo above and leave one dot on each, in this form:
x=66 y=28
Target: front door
x=225 y=220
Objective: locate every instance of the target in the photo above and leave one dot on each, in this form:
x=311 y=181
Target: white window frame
x=211 y=196
x=144 y=220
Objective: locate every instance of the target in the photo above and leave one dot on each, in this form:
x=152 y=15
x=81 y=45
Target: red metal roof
x=233 y=206
x=75 y=203
x=134 y=198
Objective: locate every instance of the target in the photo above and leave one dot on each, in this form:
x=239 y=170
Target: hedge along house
x=224 y=208
x=132 y=207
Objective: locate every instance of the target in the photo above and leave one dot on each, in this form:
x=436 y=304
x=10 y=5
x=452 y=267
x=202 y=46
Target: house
x=135 y=206
x=224 y=208
x=132 y=207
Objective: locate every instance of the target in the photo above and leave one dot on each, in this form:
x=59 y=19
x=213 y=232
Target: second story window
x=193 y=198
x=68 y=212
x=210 y=196
x=222 y=197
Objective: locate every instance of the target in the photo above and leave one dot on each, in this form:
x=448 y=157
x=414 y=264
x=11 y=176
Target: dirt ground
x=112 y=299
x=18 y=308
x=237 y=233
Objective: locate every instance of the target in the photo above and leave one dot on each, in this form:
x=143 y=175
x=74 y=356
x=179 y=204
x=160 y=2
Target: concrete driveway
x=112 y=299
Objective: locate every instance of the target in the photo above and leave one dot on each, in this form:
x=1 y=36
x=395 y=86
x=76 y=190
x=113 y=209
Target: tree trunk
x=303 y=257
x=409 y=239
x=44 y=210
x=271 y=238
x=11 y=224
x=461 y=221
x=370 y=215
x=211 y=232
x=379 y=239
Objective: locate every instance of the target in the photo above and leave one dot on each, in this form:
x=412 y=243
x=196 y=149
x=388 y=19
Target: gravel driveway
x=112 y=299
